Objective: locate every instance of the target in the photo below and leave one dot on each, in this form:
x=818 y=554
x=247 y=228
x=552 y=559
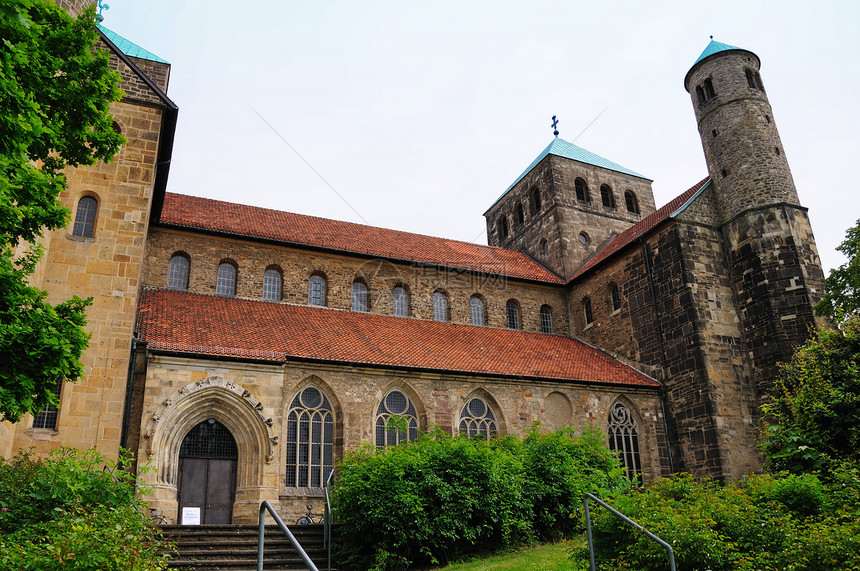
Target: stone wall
x=107 y=268
x=340 y=271
x=182 y=391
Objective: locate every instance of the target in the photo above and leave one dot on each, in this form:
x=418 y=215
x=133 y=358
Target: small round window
x=584 y=238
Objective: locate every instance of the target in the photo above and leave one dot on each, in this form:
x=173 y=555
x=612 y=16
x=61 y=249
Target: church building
x=241 y=350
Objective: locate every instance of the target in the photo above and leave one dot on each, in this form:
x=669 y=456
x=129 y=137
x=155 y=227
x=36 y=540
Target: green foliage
x=55 y=92
x=813 y=416
x=442 y=498
x=758 y=523
x=842 y=286
x=67 y=512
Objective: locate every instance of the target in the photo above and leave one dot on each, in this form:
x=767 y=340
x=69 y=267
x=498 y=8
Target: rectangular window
x=48 y=417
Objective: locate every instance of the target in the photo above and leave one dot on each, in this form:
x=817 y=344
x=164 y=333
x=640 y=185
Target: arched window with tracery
x=396 y=420
x=478 y=310
x=624 y=439
x=177 y=272
x=477 y=419
x=310 y=439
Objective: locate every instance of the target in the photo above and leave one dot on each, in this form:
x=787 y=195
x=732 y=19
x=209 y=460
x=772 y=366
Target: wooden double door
x=207 y=472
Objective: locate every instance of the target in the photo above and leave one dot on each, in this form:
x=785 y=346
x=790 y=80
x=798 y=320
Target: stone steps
x=234 y=547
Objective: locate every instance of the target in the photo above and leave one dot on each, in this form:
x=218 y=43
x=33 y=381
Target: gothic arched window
x=85 y=217
x=396 y=420
x=272 y=285
x=177 y=272
x=477 y=419
x=440 y=306
x=624 y=439
x=316 y=290
x=401 y=301
x=359 y=296
x=478 y=311
x=310 y=439
x=225 y=284
x=545 y=319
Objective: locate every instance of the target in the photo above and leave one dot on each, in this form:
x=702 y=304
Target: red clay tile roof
x=254 y=222
x=183 y=322
x=639 y=229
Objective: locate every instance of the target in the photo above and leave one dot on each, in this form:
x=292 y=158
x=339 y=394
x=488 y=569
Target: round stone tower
x=742 y=147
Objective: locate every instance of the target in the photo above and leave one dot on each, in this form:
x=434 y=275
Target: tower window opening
x=543 y=246
x=631 y=202
x=581 y=187
x=503 y=226
x=750 y=79
x=767 y=118
x=520 y=215
x=709 y=89
x=777 y=150
x=607 y=196
x=700 y=94
x=724 y=172
x=714 y=132
x=536 y=202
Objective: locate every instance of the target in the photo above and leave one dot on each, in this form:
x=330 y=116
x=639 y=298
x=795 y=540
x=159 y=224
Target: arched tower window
x=754 y=79
x=624 y=439
x=615 y=297
x=478 y=310
x=700 y=94
x=396 y=405
x=225 y=283
x=586 y=308
x=512 y=311
x=85 y=217
x=631 y=202
x=177 y=272
x=582 y=193
x=310 y=439
x=477 y=419
x=709 y=89
x=503 y=226
x=272 y=285
x=316 y=290
x=360 y=297
x=545 y=319
x=440 y=306
x=521 y=218
x=607 y=196
x=536 y=201
x=401 y=301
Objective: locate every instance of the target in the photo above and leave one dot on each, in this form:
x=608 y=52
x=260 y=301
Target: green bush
x=68 y=512
x=442 y=498
x=758 y=523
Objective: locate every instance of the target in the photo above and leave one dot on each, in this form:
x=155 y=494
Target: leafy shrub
x=67 y=512
x=759 y=523
x=443 y=498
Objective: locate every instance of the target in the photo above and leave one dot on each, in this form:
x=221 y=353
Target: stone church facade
x=241 y=351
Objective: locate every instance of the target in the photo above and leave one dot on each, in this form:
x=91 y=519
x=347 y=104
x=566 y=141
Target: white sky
x=420 y=114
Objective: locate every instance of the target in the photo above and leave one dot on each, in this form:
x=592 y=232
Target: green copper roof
x=713 y=48
x=561 y=148
x=130 y=48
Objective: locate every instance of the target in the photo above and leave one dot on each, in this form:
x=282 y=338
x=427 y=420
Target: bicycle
x=308 y=518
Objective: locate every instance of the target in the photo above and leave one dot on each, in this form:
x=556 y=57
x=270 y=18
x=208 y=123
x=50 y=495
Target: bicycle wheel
x=304 y=520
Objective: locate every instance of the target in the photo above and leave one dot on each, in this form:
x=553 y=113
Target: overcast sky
x=418 y=115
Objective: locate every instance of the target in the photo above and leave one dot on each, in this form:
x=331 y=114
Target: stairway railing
x=261 y=535
x=327 y=518
x=622 y=517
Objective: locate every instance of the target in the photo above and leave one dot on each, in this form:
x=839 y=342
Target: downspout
x=129 y=385
x=650 y=271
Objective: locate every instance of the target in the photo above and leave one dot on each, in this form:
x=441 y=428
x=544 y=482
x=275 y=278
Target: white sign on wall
x=190 y=516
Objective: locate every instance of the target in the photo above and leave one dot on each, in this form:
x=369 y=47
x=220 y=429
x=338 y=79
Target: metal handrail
x=327 y=518
x=623 y=517
x=266 y=506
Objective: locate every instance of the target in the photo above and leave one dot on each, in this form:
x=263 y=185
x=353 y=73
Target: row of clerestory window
x=614 y=302
x=225 y=285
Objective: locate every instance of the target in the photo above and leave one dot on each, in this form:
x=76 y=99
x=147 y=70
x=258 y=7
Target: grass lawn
x=551 y=557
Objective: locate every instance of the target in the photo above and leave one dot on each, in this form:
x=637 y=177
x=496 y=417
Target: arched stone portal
x=207 y=472
x=232 y=407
